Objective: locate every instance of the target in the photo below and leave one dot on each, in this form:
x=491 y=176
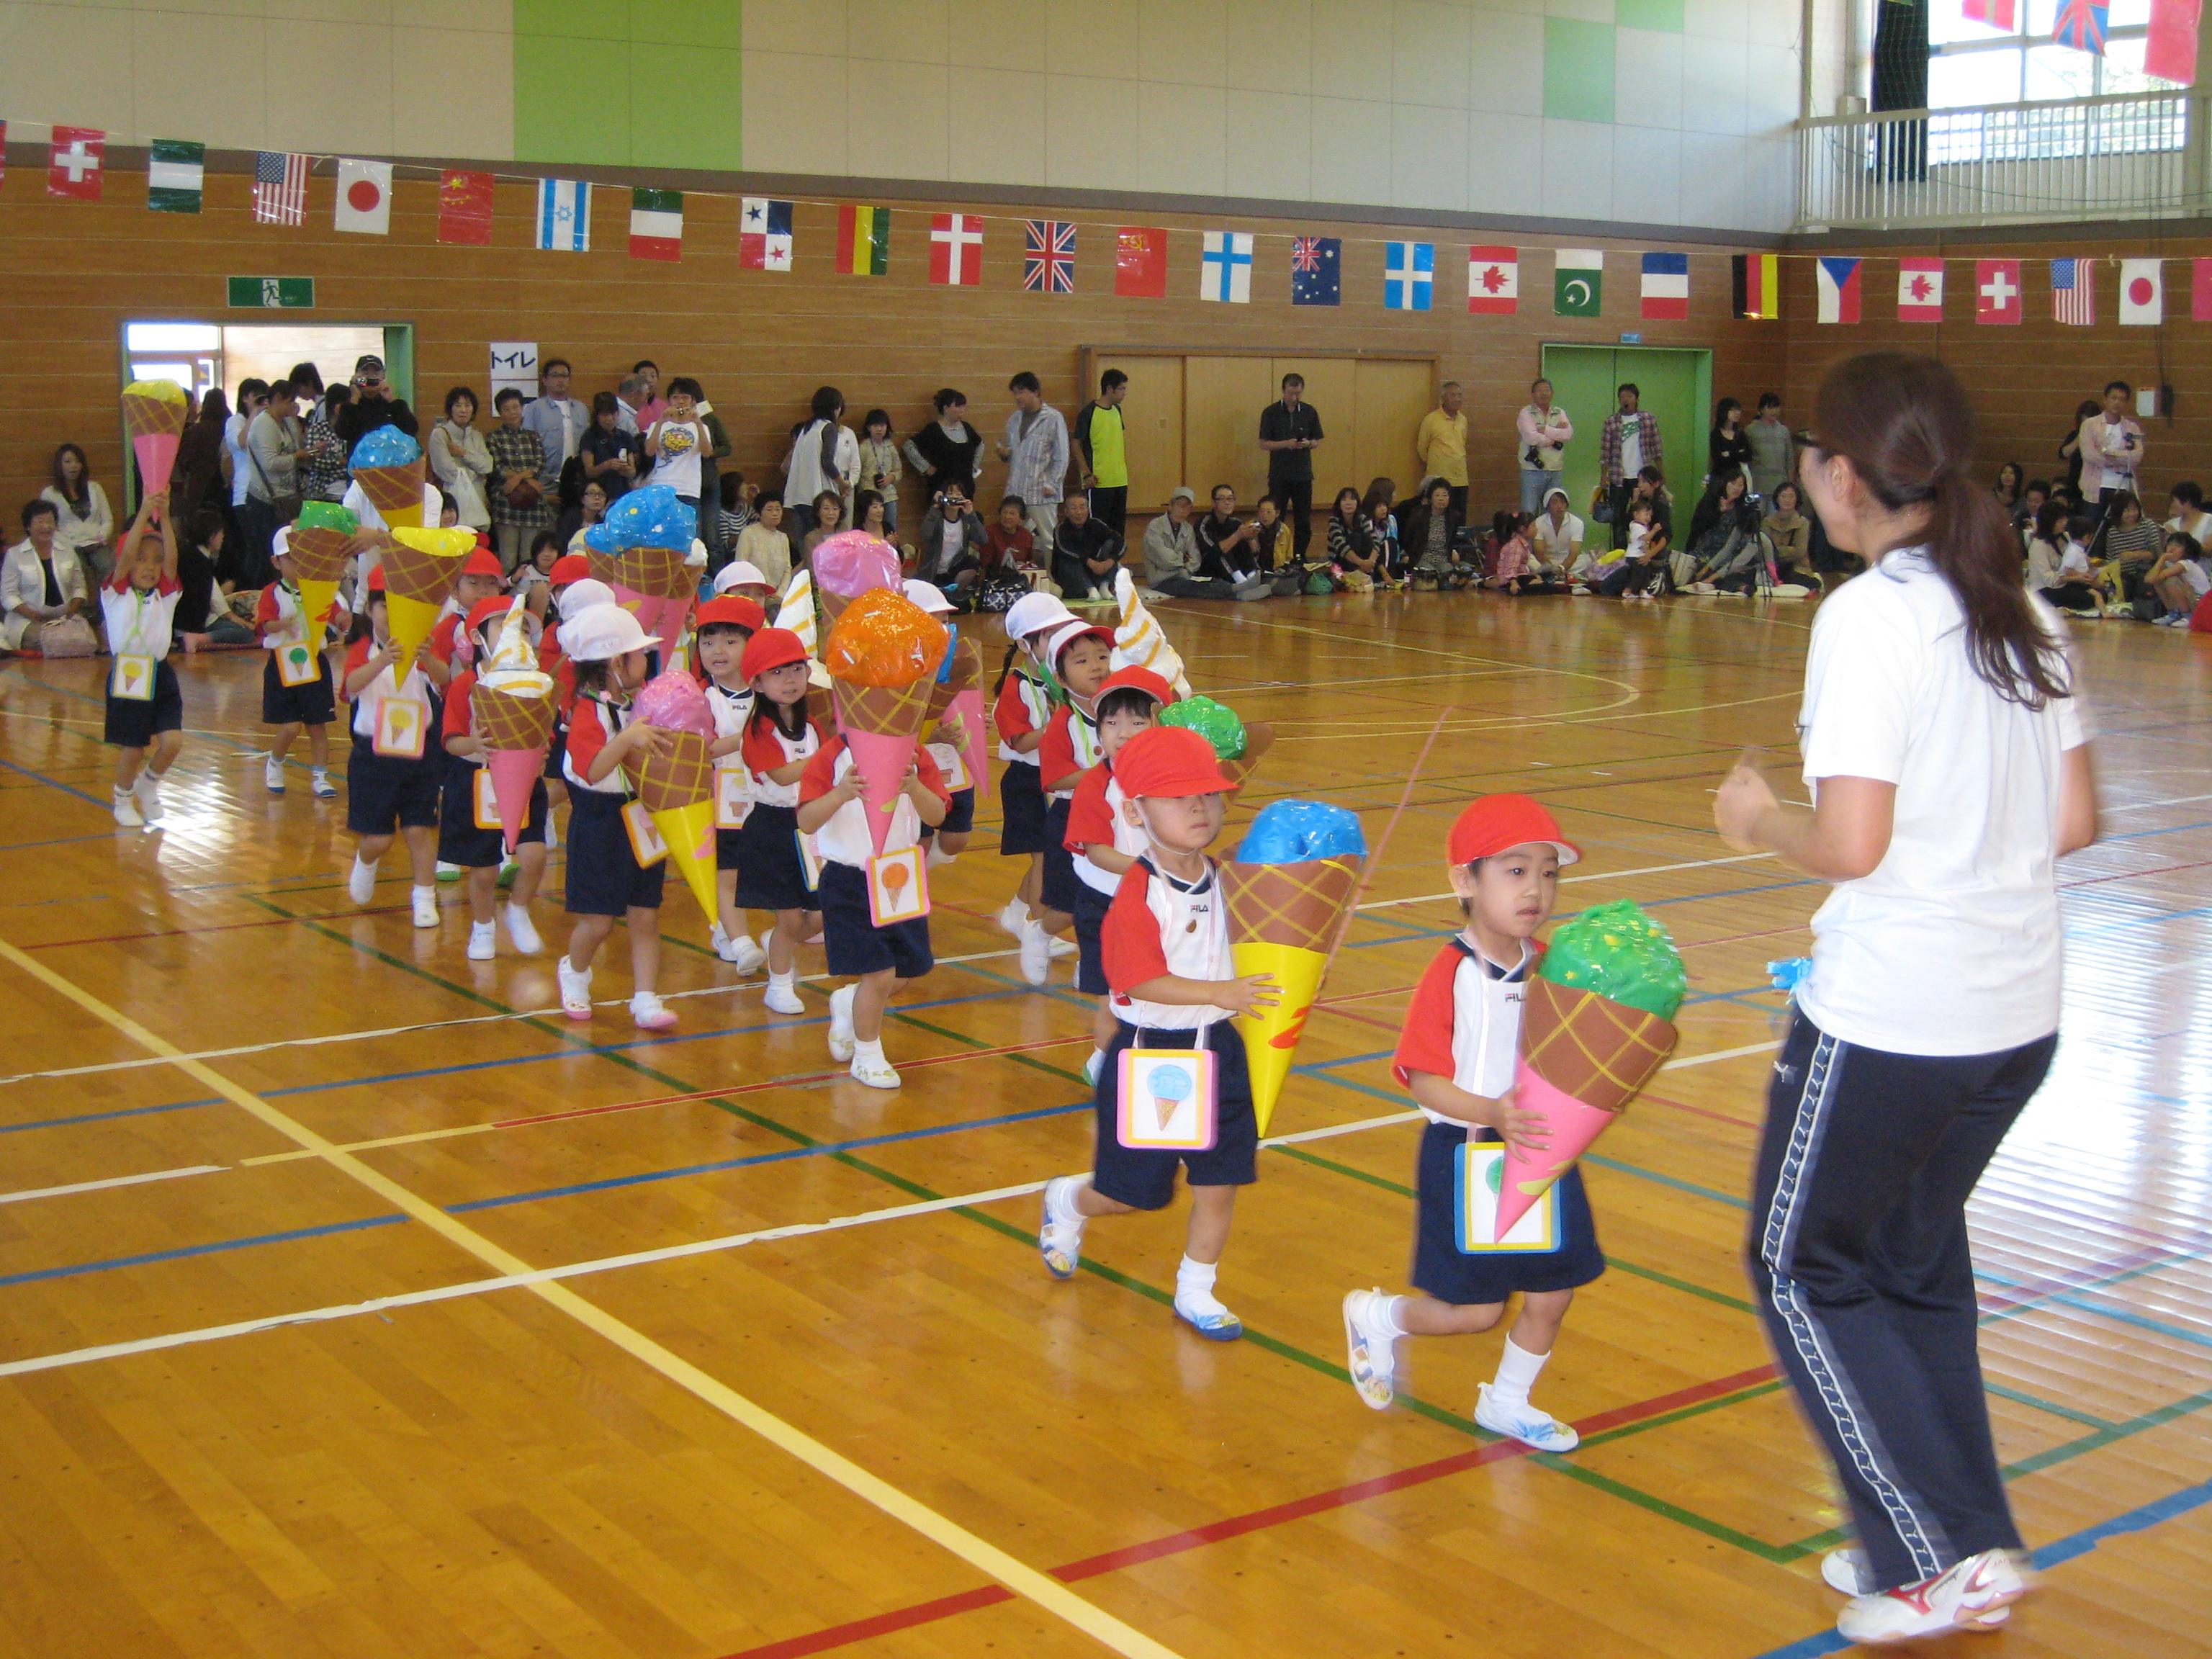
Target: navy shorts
x=1021 y=810
x=769 y=875
x=385 y=794
x=1145 y=1180
x=853 y=944
x=459 y=840
x=1448 y=1276
x=132 y=724
x=605 y=877
x=959 y=818
x=1063 y=888
x=1089 y=910
x=310 y=705
x=555 y=751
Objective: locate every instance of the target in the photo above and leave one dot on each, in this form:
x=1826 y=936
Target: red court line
x=2130 y=875
x=1683 y=1106
x=1237 y=1526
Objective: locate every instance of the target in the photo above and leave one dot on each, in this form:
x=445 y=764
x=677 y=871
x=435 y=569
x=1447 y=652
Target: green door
x=1675 y=386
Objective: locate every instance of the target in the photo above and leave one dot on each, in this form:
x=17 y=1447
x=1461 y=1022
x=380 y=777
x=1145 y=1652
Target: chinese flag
x=1141 y=262
x=2170 y=52
x=2200 y=291
x=464 y=208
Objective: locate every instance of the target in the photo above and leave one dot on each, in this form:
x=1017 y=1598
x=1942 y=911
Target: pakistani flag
x=1579 y=282
x=175 y=170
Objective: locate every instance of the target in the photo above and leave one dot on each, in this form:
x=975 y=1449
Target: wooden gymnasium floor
x=352 y=1305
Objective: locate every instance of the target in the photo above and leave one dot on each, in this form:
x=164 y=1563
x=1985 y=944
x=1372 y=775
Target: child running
x=781 y=737
x=606 y=879
x=145 y=716
x=1081 y=656
x=391 y=774
x=1022 y=706
x=464 y=838
x=312 y=704
x=1457 y=1058
x=726 y=626
x=1166 y=945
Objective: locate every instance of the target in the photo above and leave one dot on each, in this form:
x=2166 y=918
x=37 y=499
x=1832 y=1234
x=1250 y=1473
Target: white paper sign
x=514 y=363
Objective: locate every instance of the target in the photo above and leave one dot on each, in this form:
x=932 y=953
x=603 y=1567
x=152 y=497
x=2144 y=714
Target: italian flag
x=656 y=224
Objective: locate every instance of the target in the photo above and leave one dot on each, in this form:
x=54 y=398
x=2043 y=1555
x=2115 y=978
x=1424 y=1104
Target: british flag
x=2080 y=26
x=1305 y=253
x=1048 y=257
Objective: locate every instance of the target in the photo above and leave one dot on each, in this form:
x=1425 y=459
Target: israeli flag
x=564 y=215
x=1409 y=271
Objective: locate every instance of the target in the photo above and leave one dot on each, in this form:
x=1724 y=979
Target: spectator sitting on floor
x=1086 y=553
x=1171 y=557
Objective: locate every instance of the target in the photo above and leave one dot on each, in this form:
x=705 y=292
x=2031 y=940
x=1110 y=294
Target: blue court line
x=52 y=783
x=2053 y=1554
x=2171 y=830
x=99 y=1117
x=814 y=1151
x=1569 y=915
x=200 y=1250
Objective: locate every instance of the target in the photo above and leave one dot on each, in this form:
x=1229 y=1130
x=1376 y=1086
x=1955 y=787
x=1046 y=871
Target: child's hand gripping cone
x=418 y=573
x=1593 y=1030
x=676 y=780
x=1287 y=890
x=322 y=537
x=882 y=655
x=513 y=707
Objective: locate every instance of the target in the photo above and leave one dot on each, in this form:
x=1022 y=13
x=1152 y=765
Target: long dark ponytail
x=1907 y=428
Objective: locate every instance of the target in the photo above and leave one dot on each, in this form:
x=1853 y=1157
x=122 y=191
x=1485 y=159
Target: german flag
x=863 y=240
x=1758 y=280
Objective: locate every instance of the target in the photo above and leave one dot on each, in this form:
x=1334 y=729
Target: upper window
x=1971 y=64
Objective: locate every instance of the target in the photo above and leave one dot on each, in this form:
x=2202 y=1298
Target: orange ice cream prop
x=419 y=569
x=154 y=414
x=882 y=655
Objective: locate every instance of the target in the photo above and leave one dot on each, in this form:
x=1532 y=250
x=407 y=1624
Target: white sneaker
x=1701 y=587
x=324 y=788
x=426 y=906
x=649 y=1013
x=1060 y=1235
x=1579 y=587
x=1526 y=1424
x=126 y=810
x=272 y=774
x=448 y=871
x=782 y=998
x=521 y=932
x=1062 y=947
x=1976 y=1594
x=1209 y=1318
x=1037 y=954
x=1846 y=1570
x=360 y=881
x=575 y=990
x=147 y=789
x=741 y=953
x=841 y=1024
x=1093 y=1066
x=874 y=1071
x=1372 y=1348
x=484 y=941
x=936 y=856
x=1015 y=917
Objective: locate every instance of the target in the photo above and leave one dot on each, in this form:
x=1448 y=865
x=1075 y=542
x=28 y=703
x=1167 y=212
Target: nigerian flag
x=176 y=169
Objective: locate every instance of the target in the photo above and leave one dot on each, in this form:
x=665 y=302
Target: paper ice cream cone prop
x=514 y=775
x=418 y=573
x=966 y=670
x=154 y=413
x=668 y=620
x=690 y=832
x=317 y=594
x=408 y=622
x=396 y=492
x=1281 y=920
x=1140 y=642
x=504 y=720
x=882 y=725
x=676 y=779
x=1583 y=1058
x=969 y=705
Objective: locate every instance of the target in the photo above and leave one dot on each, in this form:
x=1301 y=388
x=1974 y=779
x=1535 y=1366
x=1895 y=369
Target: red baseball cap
x=568 y=568
x=771 y=648
x=1492 y=824
x=735 y=609
x=376 y=580
x=483 y=562
x=1138 y=679
x=1168 y=760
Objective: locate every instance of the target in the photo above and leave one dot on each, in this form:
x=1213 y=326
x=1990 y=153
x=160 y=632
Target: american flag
x=1048 y=257
x=1305 y=253
x=280 y=187
x=2074 y=292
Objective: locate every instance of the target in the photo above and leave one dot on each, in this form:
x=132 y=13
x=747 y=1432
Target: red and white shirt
x=1023 y=706
x=845 y=838
x=1096 y=819
x=281 y=620
x=458 y=719
x=365 y=702
x=766 y=748
x=138 y=624
x=1069 y=749
x=591 y=723
x=1465 y=1022
x=1158 y=925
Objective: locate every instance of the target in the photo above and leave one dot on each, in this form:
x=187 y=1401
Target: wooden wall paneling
x=1222 y=397
x=1393 y=395
x=1151 y=413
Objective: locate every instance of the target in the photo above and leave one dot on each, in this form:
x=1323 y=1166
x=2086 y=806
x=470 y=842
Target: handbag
x=67 y=636
x=285 y=507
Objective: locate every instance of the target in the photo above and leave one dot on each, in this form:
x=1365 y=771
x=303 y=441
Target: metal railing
x=2131 y=155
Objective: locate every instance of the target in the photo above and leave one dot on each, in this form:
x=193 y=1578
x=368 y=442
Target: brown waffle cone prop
x=1296 y=904
x=833 y=604
x=318 y=553
x=413 y=574
x=966 y=669
x=893 y=711
x=144 y=415
x=509 y=722
x=392 y=489
x=666 y=783
x=658 y=572
x=1596 y=1050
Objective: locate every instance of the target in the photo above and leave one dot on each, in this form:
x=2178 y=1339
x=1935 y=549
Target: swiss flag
x=1996 y=291
x=75 y=165
x=1919 y=290
x=1141 y=262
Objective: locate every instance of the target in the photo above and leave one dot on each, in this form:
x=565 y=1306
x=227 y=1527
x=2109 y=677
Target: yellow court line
x=1045 y=1591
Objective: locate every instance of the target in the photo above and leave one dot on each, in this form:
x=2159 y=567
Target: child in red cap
x=1166 y=945
x=724 y=627
x=1456 y=1057
x=782 y=736
x=465 y=839
x=392 y=773
x=311 y=703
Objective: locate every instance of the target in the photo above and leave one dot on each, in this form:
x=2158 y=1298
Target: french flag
x=1666 y=287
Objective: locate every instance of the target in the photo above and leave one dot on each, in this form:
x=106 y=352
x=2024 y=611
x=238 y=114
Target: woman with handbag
x=273 y=442
x=42 y=591
x=459 y=459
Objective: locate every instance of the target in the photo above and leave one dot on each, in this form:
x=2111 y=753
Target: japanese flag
x=2142 y=291
x=364 y=197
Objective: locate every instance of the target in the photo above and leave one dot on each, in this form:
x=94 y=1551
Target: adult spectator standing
x=307 y=386
x=1948 y=759
x=825 y=455
x=1773 y=451
x=373 y=404
x=251 y=394
x=2112 y=450
x=459 y=459
x=272 y=484
x=1727 y=447
x=1556 y=536
x=559 y=421
x=1101 y=441
x=948 y=453
x=1086 y=553
x=195 y=482
x=2070 y=446
x=1441 y=442
x=678 y=445
x=1627 y=444
x=324 y=474
x=1289 y=428
x=1544 y=430
x=1171 y=557
x=520 y=503
x=655 y=406
x=85 y=526
x=630 y=398
x=1034 y=450
x=610 y=455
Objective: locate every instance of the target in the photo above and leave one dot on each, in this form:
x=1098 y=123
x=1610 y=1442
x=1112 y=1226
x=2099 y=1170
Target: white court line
x=111 y=1181
x=1595 y=875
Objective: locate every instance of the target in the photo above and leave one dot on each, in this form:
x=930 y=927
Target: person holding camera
x=1725 y=548
x=373 y=405
x=1543 y=429
x=949 y=553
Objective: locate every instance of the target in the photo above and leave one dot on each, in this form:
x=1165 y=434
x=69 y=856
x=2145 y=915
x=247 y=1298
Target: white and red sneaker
x=1976 y=1595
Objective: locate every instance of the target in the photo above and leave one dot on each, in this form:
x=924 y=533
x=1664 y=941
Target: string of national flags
x=176 y=177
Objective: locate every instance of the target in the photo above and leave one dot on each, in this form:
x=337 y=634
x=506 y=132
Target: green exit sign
x=273 y=292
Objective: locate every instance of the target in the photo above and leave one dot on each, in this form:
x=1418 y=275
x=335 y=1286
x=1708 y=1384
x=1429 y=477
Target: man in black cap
x=373 y=405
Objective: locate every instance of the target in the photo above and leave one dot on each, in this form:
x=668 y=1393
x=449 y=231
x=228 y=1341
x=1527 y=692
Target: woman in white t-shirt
x=1948 y=760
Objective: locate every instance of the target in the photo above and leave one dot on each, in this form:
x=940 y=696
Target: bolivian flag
x=863 y=240
x=1758 y=279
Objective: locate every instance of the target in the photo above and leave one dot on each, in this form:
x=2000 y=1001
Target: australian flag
x=1048 y=257
x=1317 y=271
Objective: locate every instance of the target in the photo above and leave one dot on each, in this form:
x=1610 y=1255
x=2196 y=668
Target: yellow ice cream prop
x=1142 y=643
x=1288 y=889
x=419 y=569
x=154 y=413
x=677 y=788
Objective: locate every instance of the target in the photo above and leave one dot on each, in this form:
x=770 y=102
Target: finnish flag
x=564 y=215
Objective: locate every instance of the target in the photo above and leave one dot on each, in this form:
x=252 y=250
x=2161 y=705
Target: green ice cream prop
x=1216 y=722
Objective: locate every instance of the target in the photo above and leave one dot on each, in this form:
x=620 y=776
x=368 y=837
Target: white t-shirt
x=1632 y=446
x=1554 y=544
x=675 y=455
x=1952 y=945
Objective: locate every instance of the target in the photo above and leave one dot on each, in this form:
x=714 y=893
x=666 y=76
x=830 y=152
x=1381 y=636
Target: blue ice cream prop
x=386 y=447
x=654 y=516
x=1294 y=831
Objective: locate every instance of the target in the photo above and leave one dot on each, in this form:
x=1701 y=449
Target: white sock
x=869 y=1049
x=783 y=981
x=1392 y=1309
x=1517 y=1371
x=1194 y=1286
x=421 y=891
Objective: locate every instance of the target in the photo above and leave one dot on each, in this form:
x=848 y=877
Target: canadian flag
x=1493 y=281
x=2143 y=292
x=1919 y=290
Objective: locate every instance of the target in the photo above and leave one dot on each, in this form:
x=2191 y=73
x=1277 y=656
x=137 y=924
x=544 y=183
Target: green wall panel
x=1578 y=71
x=645 y=83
